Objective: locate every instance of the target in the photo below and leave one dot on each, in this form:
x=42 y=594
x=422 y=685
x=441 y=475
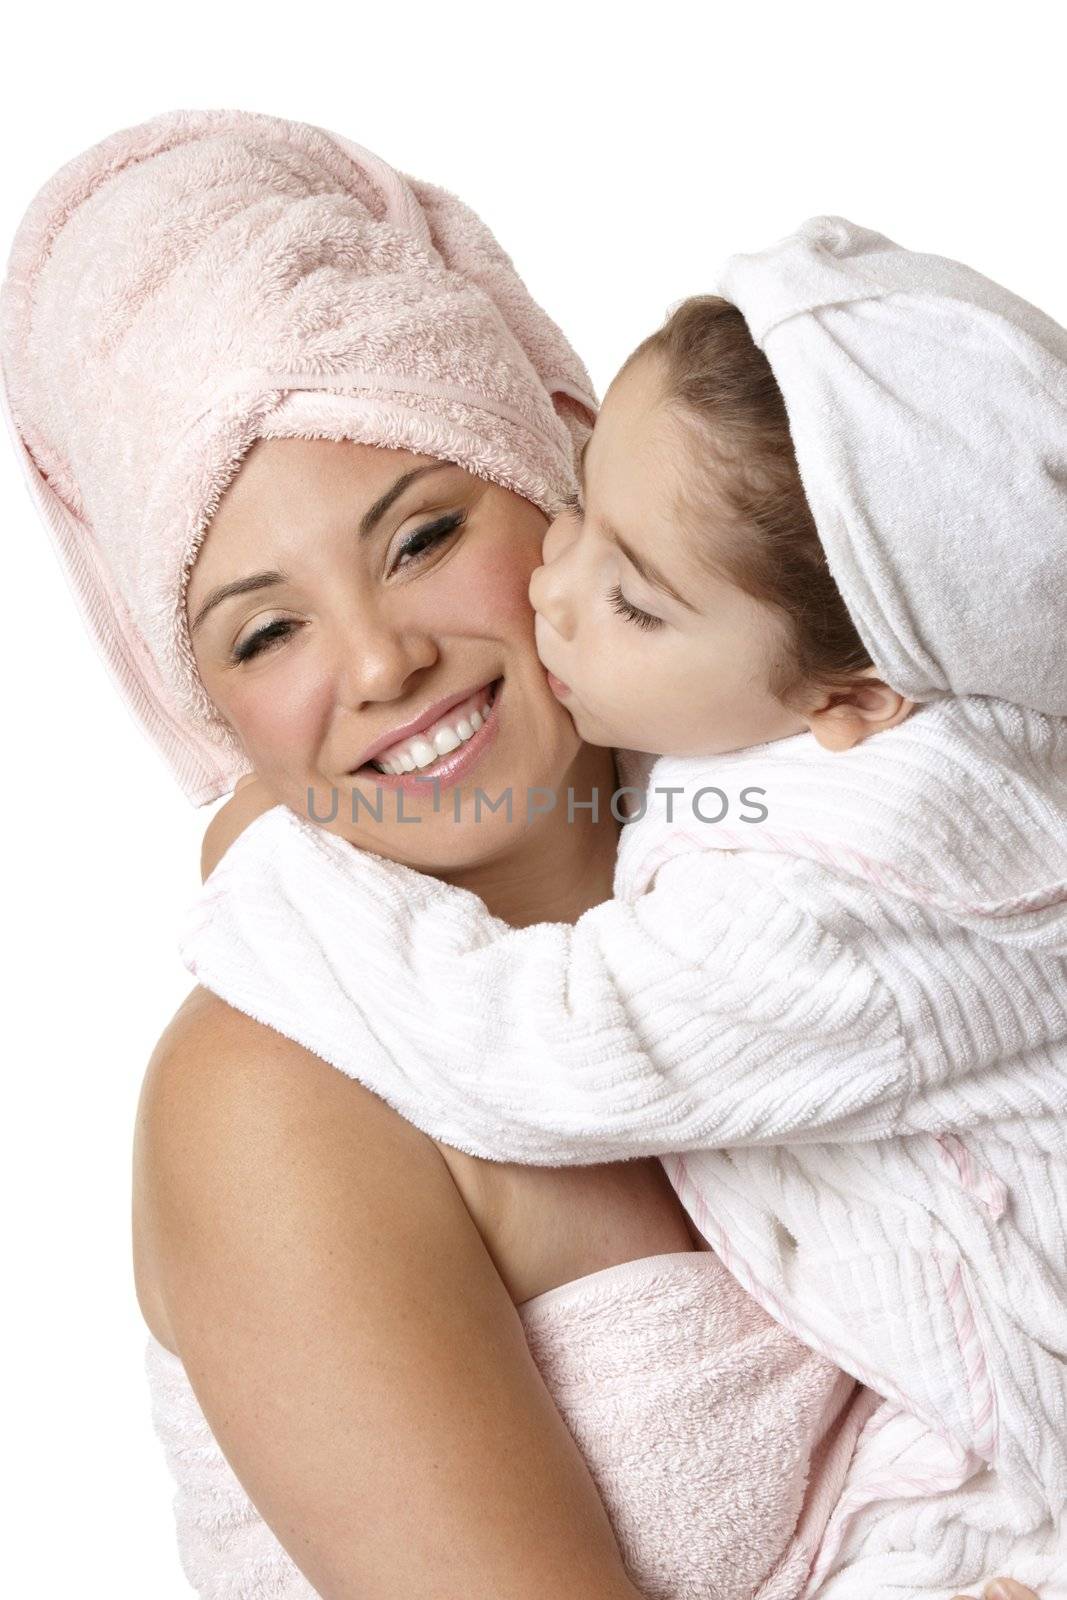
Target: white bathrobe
x=844 y=1027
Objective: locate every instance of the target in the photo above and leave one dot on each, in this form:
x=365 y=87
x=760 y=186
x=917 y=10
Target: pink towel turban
x=210 y=278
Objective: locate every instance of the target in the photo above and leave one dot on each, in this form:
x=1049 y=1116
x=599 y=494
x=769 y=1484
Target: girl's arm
x=353 y=1348
x=712 y=1011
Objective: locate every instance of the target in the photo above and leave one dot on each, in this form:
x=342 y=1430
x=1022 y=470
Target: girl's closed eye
x=414 y=548
x=616 y=599
x=619 y=603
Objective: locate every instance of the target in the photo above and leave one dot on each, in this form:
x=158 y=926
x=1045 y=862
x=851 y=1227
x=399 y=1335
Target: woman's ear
x=843 y=718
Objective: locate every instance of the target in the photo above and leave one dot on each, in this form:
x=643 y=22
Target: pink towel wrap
x=717 y=1441
x=214 y=277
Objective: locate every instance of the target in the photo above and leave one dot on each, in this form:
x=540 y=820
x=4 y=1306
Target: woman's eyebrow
x=377 y=511
x=368 y=522
x=258 y=580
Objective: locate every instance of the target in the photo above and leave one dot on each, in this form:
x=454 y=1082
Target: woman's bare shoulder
x=348 y=1339
x=217 y=1078
x=228 y=1107
x=213 y=1069
x=206 y=1039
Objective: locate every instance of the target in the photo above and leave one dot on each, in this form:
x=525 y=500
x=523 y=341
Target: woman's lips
x=417 y=725
x=450 y=769
x=557 y=685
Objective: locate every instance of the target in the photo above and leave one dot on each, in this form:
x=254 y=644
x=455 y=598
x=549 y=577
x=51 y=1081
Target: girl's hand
x=1002 y=1589
x=249 y=800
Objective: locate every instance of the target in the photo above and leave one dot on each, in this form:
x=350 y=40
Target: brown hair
x=718 y=379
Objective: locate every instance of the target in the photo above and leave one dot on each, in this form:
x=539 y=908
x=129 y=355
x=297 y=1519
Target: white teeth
x=422 y=752
x=425 y=749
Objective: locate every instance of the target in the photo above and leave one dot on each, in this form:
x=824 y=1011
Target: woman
x=252 y=370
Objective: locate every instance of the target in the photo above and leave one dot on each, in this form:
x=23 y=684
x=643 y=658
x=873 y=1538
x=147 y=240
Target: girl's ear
x=845 y=717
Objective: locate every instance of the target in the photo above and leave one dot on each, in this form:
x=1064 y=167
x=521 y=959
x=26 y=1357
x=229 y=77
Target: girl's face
x=645 y=646
x=352 y=605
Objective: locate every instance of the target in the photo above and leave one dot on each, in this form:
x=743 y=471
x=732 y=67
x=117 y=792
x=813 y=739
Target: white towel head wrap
x=928 y=410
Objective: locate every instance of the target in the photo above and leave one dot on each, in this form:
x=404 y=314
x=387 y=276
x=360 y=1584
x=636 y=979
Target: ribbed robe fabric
x=844 y=1029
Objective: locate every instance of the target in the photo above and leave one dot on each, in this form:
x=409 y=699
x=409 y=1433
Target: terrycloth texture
x=928 y=409
x=844 y=1029
x=893 y=1538
x=698 y=1416
x=210 y=278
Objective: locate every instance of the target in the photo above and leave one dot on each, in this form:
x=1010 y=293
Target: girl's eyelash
x=420 y=541
x=619 y=603
x=616 y=598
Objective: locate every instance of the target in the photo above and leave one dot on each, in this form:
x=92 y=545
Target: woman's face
x=382 y=614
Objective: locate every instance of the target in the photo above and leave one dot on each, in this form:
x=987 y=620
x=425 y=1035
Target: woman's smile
x=439 y=748
x=393 y=648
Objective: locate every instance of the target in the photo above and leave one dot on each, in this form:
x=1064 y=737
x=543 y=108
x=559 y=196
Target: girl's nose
x=551 y=585
x=560 y=534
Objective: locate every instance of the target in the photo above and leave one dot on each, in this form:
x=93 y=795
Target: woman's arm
x=353 y=1348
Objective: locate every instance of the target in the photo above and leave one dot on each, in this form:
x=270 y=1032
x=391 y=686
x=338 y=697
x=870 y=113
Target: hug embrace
x=551 y=1204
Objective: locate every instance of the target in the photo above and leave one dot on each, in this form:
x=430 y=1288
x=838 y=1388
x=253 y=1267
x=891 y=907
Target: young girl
x=820 y=561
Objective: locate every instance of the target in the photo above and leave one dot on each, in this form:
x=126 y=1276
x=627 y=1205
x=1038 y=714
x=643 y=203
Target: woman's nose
x=551 y=585
x=375 y=660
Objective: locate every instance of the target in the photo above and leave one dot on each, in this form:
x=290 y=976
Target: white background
x=617 y=155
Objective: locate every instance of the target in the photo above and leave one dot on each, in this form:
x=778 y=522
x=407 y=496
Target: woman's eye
x=263 y=639
x=411 y=550
x=573 y=504
x=423 y=539
x=619 y=603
